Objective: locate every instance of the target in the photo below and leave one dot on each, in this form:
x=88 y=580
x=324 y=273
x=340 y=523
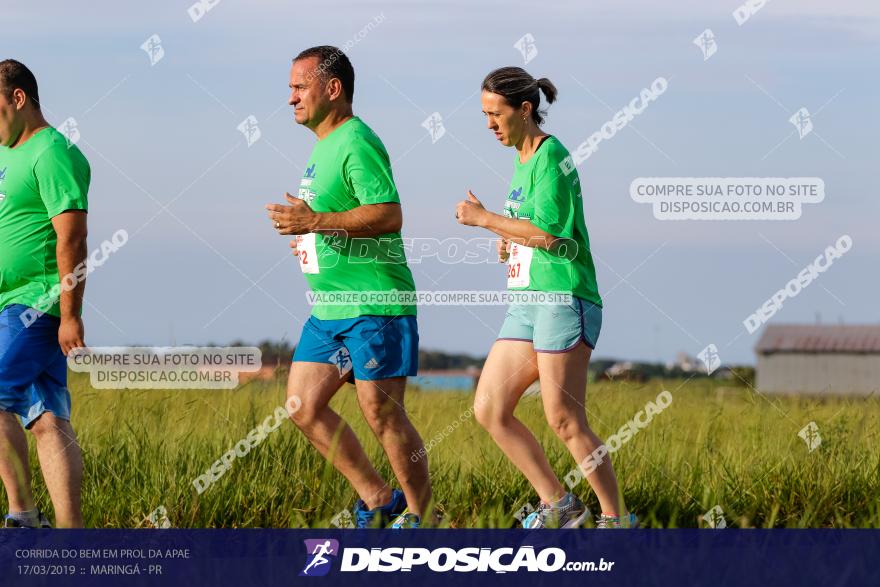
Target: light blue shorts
x=553 y=328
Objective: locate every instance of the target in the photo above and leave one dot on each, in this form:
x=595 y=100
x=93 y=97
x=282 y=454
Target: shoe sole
x=578 y=521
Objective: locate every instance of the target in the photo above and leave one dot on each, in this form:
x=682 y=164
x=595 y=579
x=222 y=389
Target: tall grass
x=714 y=445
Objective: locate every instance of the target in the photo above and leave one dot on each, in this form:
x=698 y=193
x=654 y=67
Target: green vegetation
x=713 y=445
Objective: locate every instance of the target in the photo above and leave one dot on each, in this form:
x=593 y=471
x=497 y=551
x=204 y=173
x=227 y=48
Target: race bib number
x=518 y=265
x=307 y=252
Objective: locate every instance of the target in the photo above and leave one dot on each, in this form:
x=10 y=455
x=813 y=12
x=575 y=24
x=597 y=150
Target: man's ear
x=19 y=98
x=334 y=88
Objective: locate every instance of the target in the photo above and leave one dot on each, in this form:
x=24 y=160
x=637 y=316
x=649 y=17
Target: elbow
x=73 y=240
x=394 y=221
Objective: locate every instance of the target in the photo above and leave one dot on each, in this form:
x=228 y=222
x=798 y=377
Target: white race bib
x=518 y=265
x=307 y=252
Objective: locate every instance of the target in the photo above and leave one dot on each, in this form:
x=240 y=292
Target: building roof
x=819 y=338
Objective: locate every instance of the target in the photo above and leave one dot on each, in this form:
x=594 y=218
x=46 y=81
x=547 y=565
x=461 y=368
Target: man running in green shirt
x=347 y=219
x=43 y=185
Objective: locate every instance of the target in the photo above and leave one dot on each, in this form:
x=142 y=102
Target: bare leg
x=315 y=384
x=62 y=467
x=382 y=404
x=14 y=467
x=563 y=390
x=510 y=368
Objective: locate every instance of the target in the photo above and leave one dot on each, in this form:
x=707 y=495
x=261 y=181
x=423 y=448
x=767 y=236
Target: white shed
x=819 y=359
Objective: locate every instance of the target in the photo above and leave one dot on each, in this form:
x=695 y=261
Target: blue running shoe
x=568 y=512
x=13 y=522
x=406 y=520
x=629 y=521
x=379 y=517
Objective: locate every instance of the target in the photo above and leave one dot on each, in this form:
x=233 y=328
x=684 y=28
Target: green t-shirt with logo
x=39 y=179
x=543 y=194
x=350 y=168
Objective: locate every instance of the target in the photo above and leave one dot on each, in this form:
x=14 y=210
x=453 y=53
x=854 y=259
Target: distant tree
x=438 y=360
x=275 y=353
x=743 y=375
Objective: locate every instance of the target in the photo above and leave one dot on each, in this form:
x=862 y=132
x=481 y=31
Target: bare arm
x=472 y=213
x=369 y=220
x=71 y=251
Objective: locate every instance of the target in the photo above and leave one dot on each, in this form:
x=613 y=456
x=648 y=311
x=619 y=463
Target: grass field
x=714 y=445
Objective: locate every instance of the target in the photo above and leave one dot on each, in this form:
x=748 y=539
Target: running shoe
x=12 y=522
x=379 y=517
x=568 y=512
x=628 y=521
x=406 y=520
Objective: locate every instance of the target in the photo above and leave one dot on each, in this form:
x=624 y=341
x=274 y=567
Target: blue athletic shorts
x=366 y=347
x=33 y=370
x=553 y=328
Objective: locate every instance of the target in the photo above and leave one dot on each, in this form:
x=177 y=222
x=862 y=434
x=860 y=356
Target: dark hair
x=517 y=86
x=332 y=62
x=15 y=76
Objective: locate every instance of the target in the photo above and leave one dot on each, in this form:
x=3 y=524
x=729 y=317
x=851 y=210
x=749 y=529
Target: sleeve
x=368 y=173
x=63 y=177
x=554 y=200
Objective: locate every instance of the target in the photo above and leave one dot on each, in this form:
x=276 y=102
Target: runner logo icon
x=318 y=553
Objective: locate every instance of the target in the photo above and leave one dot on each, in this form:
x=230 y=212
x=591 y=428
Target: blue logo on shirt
x=516 y=195
x=3 y=174
x=310 y=172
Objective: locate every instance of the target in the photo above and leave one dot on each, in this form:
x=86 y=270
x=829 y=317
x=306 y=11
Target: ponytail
x=549 y=90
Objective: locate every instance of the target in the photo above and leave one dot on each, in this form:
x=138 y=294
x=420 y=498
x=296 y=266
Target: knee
x=42 y=427
x=488 y=417
x=564 y=424
x=382 y=416
x=483 y=415
x=305 y=415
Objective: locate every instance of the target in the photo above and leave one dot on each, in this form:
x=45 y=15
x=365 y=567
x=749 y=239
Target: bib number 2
x=518 y=265
x=307 y=252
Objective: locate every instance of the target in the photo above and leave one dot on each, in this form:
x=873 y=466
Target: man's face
x=308 y=94
x=11 y=118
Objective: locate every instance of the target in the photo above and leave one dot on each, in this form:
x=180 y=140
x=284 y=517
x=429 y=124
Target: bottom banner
x=435 y=557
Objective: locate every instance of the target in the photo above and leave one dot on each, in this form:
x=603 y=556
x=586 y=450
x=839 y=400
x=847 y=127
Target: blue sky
x=210 y=268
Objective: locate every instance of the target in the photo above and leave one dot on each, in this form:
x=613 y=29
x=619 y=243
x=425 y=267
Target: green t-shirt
x=541 y=193
x=350 y=168
x=39 y=179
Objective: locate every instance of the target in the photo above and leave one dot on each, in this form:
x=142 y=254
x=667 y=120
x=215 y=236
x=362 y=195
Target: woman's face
x=508 y=123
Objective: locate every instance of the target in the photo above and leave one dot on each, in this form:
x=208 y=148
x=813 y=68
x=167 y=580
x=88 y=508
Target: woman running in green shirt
x=545 y=243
